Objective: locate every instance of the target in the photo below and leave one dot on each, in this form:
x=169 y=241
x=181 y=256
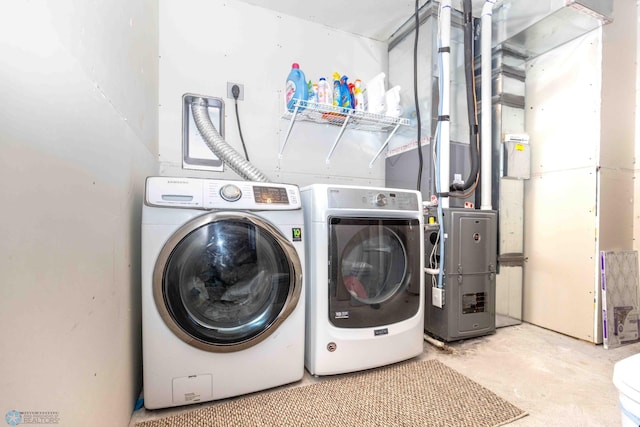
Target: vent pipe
x=444 y=123
x=220 y=147
x=485 y=98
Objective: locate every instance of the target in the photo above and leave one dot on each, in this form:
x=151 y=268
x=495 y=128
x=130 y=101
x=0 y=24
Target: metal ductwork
x=523 y=30
x=535 y=27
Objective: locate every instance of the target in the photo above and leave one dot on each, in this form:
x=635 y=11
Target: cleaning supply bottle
x=337 y=95
x=313 y=92
x=345 y=95
x=325 y=92
x=352 y=95
x=374 y=95
x=358 y=96
x=392 y=102
x=296 y=87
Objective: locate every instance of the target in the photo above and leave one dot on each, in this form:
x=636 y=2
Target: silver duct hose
x=220 y=147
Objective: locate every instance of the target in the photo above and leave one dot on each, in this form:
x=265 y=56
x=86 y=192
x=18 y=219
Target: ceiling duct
x=535 y=27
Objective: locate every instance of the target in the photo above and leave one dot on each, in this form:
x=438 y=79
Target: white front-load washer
x=222 y=289
x=365 y=280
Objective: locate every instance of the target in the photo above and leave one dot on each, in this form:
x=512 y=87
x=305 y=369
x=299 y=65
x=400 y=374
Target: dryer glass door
x=374 y=271
x=226 y=281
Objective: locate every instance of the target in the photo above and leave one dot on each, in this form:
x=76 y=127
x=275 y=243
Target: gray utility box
x=468 y=299
x=518 y=160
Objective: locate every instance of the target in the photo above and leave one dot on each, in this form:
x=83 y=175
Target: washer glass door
x=225 y=281
x=374 y=276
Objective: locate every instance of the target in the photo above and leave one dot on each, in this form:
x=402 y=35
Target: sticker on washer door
x=342 y=315
x=296 y=234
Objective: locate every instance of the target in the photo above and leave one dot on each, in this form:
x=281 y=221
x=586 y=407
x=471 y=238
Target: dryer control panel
x=203 y=193
x=372 y=198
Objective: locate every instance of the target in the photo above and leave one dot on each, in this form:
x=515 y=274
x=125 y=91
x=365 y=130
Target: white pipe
x=444 y=150
x=434 y=341
x=445 y=58
x=486 y=94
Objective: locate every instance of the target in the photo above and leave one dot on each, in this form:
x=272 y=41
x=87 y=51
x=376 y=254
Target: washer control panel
x=230 y=192
x=202 y=193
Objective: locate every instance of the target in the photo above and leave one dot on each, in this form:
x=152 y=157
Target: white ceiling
x=375 y=19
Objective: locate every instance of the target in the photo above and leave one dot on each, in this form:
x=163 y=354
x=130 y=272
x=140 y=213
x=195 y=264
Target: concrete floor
x=558 y=380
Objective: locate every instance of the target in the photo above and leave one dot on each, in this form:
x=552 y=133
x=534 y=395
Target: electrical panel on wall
x=517 y=156
x=195 y=152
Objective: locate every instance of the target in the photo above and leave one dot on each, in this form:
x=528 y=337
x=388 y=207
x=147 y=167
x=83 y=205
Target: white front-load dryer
x=365 y=280
x=222 y=290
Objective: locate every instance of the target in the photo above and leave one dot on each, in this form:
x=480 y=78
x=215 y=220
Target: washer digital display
x=270 y=195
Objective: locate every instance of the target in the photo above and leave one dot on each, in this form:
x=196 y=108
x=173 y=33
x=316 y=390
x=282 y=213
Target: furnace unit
x=462 y=304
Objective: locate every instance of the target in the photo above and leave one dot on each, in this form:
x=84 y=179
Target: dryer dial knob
x=230 y=193
x=380 y=200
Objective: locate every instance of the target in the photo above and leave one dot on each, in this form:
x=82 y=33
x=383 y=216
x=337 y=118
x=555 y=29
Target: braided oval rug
x=414 y=393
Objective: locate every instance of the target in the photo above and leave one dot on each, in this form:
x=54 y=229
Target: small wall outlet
x=230 y=86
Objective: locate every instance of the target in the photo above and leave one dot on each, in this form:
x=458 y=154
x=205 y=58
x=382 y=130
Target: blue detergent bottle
x=336 y=90
x=296 y=87
x=345 y=93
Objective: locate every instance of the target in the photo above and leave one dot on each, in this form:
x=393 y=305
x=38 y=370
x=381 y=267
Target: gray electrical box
x=464 y=306
x=518 y=159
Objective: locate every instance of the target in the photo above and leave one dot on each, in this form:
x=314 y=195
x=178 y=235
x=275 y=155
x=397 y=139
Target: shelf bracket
x=286 y=138
x=386 y=142
x=335 y=144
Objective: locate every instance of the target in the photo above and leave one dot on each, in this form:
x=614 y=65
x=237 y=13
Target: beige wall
x=617 y=137
x=580 y=199
x=636 y=164
x=78 y=134
x=205 y=44
x=563 y=120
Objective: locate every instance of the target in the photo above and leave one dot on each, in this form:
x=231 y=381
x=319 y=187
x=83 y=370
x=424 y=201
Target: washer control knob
x=380 y=200
x=230 y=193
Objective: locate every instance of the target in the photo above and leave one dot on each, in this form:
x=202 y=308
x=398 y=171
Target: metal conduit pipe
x=220 y=147
x=444 y=143
x=486 y=94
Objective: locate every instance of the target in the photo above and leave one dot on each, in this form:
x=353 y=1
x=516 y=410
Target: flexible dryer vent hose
x=220 y=147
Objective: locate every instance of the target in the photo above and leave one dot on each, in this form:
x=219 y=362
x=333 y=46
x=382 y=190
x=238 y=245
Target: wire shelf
x=329 y=114
x=345 y=118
